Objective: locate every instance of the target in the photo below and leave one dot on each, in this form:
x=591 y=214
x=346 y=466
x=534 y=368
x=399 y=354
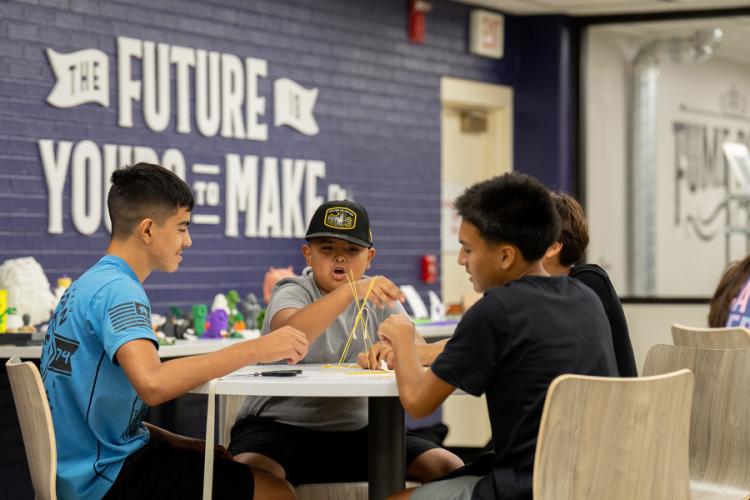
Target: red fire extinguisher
x=417 y=11
x=429 y=268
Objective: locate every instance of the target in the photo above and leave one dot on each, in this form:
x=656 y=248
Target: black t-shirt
x=597 y=279
x=510 y=345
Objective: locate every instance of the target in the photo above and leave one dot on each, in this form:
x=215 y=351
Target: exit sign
x=487 y=33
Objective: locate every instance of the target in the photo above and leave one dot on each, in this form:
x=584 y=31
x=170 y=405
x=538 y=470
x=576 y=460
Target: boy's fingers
x=375 y=297
x=362 y=359
x=389 y=358
x=374 y=357
x=382 y=353
x=301 y=348
x=385 y=301
x=393 y=291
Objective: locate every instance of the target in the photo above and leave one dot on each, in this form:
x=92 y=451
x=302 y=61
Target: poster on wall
x=666 y=211
x=702 y=203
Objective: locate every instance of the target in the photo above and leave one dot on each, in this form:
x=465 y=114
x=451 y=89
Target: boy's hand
x=371 y=359
x=384 y=292
x=285 y=343
x=397 y=331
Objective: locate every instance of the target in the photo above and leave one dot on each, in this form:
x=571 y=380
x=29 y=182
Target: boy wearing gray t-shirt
x=278 y=434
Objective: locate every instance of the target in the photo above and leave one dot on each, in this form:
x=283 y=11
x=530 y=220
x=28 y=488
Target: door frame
x=496 y=100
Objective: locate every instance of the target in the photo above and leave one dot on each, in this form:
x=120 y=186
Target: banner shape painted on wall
x=293 y=105
x=226 y=103
x=82 y=77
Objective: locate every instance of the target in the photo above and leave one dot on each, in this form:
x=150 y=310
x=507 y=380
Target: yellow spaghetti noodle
x=366 y=334
x=358 y=318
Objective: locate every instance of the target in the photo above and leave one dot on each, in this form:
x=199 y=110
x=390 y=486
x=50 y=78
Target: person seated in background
x=102 y=371
x=527 y=329
x=564 y=257
x=728 y=306
x=313 y=440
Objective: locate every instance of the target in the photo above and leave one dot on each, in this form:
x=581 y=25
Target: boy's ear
x=144 y=229
x=307 y=253
x=554 y=249
x=370 y=254
x=507 y=255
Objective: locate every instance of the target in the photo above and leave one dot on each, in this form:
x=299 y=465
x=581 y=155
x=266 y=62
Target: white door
x=469 y=155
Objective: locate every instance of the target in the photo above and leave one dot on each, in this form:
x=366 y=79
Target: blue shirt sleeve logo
x=128 y=315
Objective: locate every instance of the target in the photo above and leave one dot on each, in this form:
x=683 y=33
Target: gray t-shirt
x=329 y=414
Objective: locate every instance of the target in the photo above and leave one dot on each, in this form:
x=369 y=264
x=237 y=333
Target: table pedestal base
x=386 y=441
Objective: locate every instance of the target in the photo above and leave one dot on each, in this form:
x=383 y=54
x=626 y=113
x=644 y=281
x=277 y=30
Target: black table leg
x=387 y=449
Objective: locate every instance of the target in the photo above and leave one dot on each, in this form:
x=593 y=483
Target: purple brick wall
x=378 y=111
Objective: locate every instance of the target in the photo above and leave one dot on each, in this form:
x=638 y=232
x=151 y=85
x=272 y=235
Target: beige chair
x=38 y=433
x=711 y=338
x=720 y=423
x=615 y=438
x=230 y=405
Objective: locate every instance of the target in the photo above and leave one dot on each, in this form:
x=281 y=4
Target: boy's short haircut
x=145 y=191
x=512 y=208
x=574 y=231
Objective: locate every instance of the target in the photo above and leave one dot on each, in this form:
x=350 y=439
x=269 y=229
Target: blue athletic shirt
x=97 y=415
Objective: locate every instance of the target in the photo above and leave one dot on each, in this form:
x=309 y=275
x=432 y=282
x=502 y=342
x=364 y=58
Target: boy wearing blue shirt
x=101 y=369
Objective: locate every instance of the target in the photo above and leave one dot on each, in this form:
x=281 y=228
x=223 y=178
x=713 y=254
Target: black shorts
x=160 y=471
x=311 y=456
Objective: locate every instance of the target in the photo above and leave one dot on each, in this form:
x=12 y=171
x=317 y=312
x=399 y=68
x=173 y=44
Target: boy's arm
x=428 y=352
x=157 y=382
x=421 y=391
x=184 y=442
x=315 y=318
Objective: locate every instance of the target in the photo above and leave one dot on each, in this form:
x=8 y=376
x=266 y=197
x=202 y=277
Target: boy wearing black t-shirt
x=526 y=330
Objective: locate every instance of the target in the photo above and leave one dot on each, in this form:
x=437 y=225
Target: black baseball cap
x=343 y=219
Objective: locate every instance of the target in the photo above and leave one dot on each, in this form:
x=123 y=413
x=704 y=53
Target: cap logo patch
x=340 y=218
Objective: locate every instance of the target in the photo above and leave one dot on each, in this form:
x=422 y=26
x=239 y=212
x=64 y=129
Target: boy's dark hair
x=144 y=191
x=512 y=208
x=729 y=287
x=574 y=231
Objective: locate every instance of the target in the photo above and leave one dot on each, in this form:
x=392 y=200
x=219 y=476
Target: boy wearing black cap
x=277 y=434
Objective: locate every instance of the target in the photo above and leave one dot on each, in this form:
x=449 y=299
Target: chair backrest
x=38 y=433
x=720 y=422
x=615 y=438
x=711 y=338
